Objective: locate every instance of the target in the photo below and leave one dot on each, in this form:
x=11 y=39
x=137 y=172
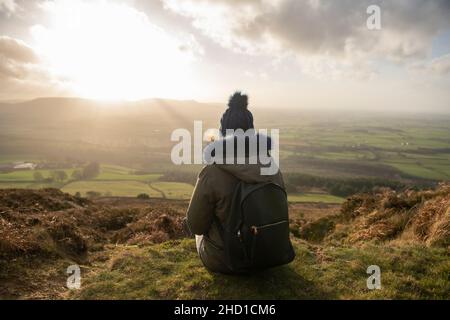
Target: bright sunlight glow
x=112 y=51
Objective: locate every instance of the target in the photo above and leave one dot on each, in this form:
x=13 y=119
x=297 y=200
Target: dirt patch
x=38 y=200
x=153 y=225
x=314 y=231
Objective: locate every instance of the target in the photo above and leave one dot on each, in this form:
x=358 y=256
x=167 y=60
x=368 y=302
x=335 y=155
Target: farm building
x=25 y=166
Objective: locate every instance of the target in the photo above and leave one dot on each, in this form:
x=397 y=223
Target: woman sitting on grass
x=213 y=216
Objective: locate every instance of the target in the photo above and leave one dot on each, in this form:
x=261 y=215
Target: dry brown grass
x=47 y=230
x=49 y=221
x=432 y=222
x=420 y=216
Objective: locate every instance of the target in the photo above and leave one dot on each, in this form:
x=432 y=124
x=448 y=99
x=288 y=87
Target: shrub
x=91 y=170
x=93 y=194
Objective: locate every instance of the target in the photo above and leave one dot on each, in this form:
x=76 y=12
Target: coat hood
x=245 y=167
x=249 y=173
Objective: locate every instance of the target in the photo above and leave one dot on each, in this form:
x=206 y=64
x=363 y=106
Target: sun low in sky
x=284 y=53
x=112 y=51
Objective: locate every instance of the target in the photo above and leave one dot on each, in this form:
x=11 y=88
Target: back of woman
x=210 y=206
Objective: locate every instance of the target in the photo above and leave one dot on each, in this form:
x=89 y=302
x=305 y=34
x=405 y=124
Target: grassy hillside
x=172 y=270
x=136 y=249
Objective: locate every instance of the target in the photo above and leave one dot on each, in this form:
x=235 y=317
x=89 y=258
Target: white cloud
x=8 y=6
x=325 y=35
x=17 y=60
x=22 y=73
x=441 y=65
x=16 y=50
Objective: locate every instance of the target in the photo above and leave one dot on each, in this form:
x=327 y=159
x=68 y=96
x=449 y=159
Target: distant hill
x=46 y=109
x=80 y=127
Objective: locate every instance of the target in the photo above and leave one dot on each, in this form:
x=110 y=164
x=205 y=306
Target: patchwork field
x=405 y=151
x=119 y=173
x=119 y=181
x=405 y=147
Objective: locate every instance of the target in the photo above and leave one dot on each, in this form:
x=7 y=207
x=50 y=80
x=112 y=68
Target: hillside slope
x=411 y=217
x=136 y=249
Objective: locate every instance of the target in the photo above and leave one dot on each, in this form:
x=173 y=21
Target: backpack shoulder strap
x=247 y=189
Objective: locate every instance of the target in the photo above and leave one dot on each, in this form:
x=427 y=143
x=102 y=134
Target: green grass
x=28 y=175
x=118 y=173
x=17 y=185
x=391 y=142
x=172 y=270
x=169 y=190
x=315 y=197
x=174 y=190
x=29 y=185
x=418 y=170
x=113 y=188
x=107 y=172
x=362 y=155
x=112 y=180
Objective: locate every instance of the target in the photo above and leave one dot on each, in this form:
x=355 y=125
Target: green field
x=414 y=150
x=24 y=185
x=112 y=188
x=174 y=190
x=115 y=180
x=169 y=190
x=119 y=173
x=121 y=181
x=419 y=170
x=388 y=147
x=28 y=175
x=315 y=197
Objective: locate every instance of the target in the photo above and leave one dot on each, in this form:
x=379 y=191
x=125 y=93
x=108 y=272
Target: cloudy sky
x=287 y=53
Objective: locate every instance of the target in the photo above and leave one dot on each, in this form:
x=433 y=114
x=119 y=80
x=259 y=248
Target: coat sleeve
x=201 y=209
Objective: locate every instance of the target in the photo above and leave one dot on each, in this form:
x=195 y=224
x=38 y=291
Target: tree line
x=344 y=187
x=89 y=171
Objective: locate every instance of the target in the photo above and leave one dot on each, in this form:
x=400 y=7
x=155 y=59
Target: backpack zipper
x=255 y=229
